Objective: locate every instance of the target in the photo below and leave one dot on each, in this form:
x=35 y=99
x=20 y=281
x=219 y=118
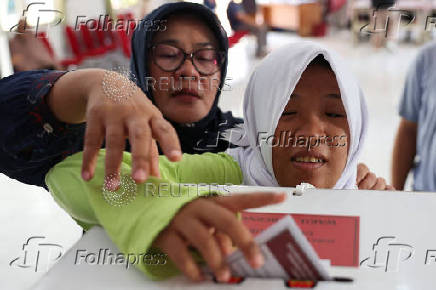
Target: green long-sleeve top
x=135 y=221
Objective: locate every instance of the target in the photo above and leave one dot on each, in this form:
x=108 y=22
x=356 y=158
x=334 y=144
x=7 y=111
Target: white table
x=409 y=217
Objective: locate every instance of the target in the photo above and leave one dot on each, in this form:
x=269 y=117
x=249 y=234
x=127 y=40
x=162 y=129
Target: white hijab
x=268 y=93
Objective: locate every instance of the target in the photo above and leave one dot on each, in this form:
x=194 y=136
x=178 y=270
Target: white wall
x=88 y=8
x=5 y=57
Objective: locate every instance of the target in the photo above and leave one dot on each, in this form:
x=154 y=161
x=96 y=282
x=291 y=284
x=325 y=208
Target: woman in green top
x=306 y=121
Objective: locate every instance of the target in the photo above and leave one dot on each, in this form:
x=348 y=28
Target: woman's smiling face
x=315 y=126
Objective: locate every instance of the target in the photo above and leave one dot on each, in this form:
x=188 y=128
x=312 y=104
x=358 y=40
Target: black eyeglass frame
x=221 y=57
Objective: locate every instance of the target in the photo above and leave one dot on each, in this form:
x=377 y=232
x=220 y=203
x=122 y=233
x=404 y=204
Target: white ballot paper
x=287 y=254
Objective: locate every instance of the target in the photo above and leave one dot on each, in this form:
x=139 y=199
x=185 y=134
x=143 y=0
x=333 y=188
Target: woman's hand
x=368 y=180
x=210 y=225
x=114 y=109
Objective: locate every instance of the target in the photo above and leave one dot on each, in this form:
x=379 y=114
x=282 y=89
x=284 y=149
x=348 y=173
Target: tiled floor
x=27 y=211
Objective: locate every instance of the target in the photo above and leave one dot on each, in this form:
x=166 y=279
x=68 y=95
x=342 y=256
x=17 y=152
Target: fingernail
x=224 y=275
x=228 y=250
x=175 y=154
x=193 y=272
x=258 y=260
x=140 y=175
x=86 y=175
x=281 y=196
x=112 y=184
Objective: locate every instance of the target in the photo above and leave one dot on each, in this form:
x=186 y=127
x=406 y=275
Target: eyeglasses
x=170 y=58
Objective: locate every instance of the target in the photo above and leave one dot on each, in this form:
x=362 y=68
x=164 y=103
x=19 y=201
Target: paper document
x=287 y=254
x=335 y=238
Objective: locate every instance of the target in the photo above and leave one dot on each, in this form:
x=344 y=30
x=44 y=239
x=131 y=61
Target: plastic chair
x=236 y=36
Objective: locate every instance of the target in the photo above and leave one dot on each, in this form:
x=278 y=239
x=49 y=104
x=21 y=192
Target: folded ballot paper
x=287 y=254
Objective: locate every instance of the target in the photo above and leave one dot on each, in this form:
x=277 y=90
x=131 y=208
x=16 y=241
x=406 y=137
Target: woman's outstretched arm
x=42 y=115
x=147 y=220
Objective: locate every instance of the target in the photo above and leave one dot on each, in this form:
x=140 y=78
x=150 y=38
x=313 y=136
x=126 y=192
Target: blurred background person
x=415 y=142
x=28 y=52
x=240 y=20
x=211 y=4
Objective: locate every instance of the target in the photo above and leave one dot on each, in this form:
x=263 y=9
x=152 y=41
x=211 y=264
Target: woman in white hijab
x=305 y=121
x=304 y=107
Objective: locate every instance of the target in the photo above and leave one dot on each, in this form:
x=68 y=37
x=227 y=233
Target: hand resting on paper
x=213 y=227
